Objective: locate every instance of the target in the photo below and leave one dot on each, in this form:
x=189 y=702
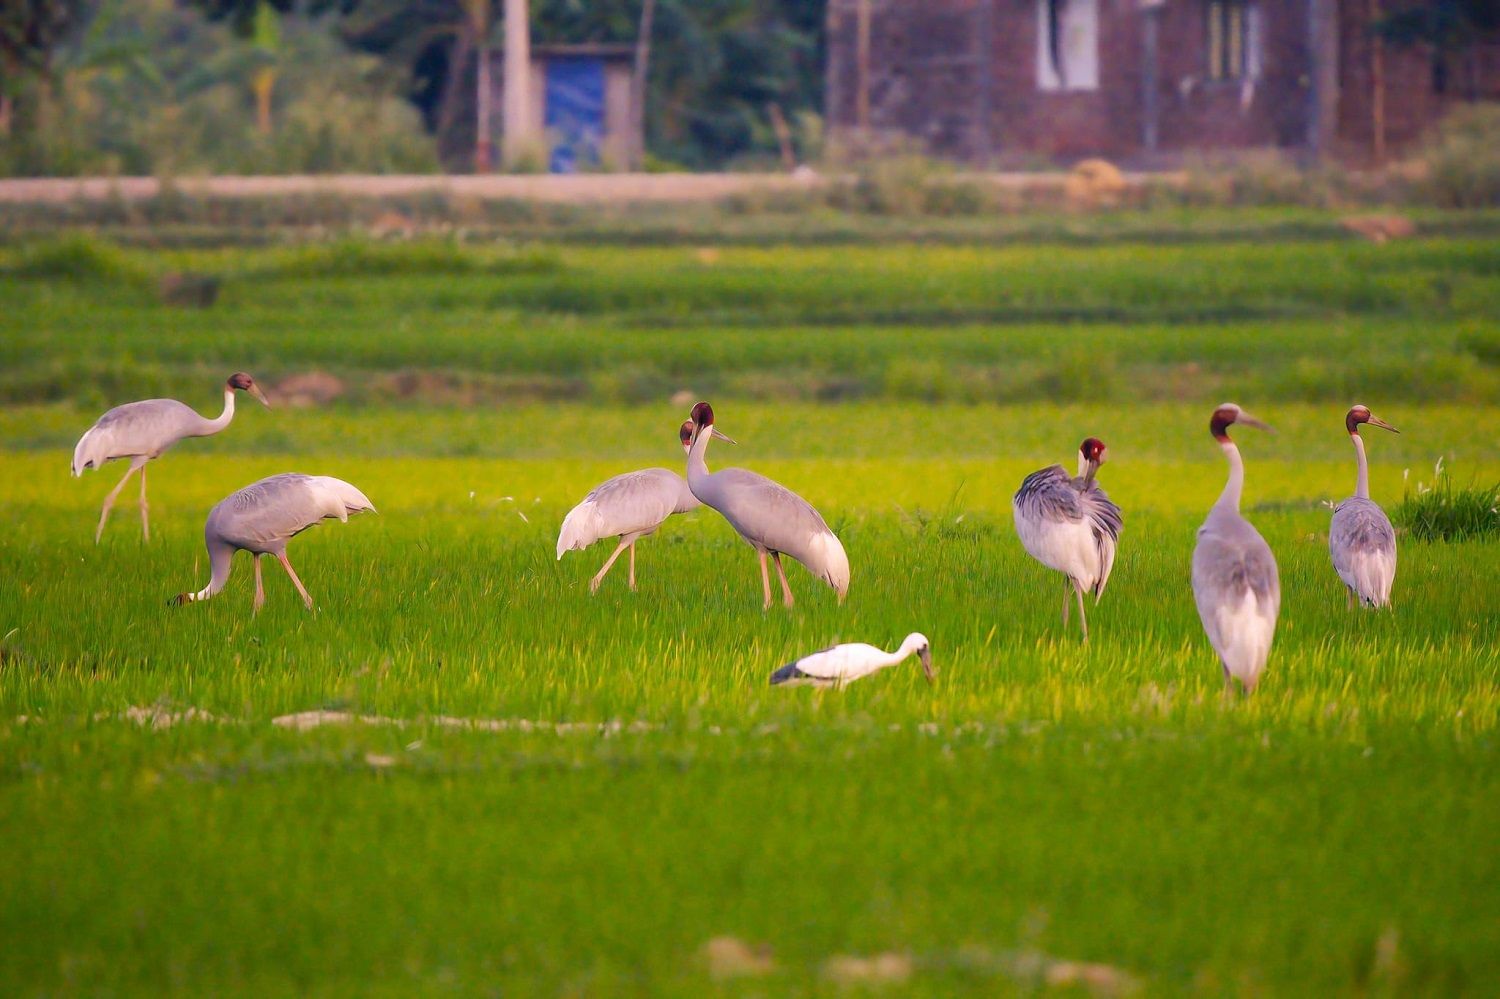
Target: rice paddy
x=515 y=787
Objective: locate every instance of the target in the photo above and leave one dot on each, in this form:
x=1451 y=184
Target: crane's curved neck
x=697 y=465
x=220 y=557
x=1362 y=480
x=215 y=425
x=1229 y=499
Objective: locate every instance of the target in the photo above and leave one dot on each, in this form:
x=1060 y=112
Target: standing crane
x=1070 y=525
x=262 y=517
x=772 y=518
x=1235 y=582
x=144 y=430
x=1361 y=539
x=846 y=663
x=629 y=507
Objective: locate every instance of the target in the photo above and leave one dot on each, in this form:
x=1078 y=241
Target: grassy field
x=529 y=790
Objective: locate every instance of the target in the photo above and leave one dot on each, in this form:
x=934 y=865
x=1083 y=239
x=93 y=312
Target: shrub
x=1445 y=512
x=1463 y=158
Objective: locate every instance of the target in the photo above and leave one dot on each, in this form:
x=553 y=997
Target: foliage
x=152 y=88
x=1463 y=158
x=1442 y=511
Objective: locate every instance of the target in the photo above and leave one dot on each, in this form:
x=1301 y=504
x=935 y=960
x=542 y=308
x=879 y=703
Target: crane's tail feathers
x=580 y=529
x=832 y=563
x=343 y=499
x=83 y=459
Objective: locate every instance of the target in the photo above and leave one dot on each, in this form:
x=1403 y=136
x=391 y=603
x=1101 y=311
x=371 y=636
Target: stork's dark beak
x=925 y=654
x=723 y=437
x=254 y=390
x=1375 y=421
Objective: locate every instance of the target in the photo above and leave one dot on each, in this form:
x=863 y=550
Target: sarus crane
x=144 y=430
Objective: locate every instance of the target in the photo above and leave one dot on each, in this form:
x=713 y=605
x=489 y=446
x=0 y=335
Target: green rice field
x=465 y=775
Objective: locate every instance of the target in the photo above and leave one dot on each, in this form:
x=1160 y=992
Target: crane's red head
x=242 y=381
x=703 y=415
x=685 y=433
x=1092 y=450
x=1227 y=414
x=1362 y=414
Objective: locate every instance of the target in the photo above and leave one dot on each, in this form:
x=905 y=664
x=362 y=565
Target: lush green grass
x=1102 y=802
x=623 y=785
x=1316 y=321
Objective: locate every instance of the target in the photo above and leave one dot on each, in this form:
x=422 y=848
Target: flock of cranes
x=1065 y=522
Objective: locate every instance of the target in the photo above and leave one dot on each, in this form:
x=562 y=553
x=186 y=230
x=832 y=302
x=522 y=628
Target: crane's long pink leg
x=145 y=518
x=109 y=500
x=632 y=567
x=786 y=591
x=1067 y=598
x=765 y=580
x=260 y=592
x=306 y=597
x=594 y=583
x=1083 y=622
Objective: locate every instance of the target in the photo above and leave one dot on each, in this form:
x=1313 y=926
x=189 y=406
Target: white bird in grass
x=1361 y=539
x=142 y=431
x=772 y=518
x=846 y=663
x=262 y=517
x=1235 y=582
x=1070 y=525
x=629 y=507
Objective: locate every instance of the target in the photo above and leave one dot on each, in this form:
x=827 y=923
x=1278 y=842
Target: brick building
x=1135 y=80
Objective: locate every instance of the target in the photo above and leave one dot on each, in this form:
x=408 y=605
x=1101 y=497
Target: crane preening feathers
x=144 y=430
x=770 y=517
x=846 y=663
x=629 y=507
x=1360 y=538
x=1235 y=582
x=1069 y=524
x=262 y=517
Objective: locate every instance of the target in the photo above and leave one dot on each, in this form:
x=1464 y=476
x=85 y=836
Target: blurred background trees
x=306 y=86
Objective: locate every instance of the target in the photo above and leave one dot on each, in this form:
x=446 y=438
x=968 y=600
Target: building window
x=1228 y=39
x=1067 y=49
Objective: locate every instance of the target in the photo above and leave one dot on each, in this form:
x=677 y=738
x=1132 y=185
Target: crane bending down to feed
x=262 y=517
x=1361 y=539
x=142 y=431
x=1235 y=583
x=772 y=518
x=629 y=507
x=846 y=663
x=1070 y=525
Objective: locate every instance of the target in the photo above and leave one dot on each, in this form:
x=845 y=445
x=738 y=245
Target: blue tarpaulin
x=575 y=112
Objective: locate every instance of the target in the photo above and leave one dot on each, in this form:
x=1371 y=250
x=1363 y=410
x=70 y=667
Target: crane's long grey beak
x=255 y=391
x=925 y=654
x=1375 y=421
x=1251 y=421
x=723 y=437
x=1090 y=473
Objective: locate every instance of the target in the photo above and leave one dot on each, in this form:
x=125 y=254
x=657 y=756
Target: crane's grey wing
x=141 y=428
x=1048 y=496
x=1105 y=521
x=264 y=515
x=762 y=508
x=1238 y=593
x=634 y=503
x=1359 y=526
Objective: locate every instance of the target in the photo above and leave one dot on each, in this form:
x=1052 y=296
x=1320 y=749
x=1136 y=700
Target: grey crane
x=629 y=507
x=144 y=430
x=1069 y=524
x=768 y=515
x=841 y=664
x=1235 y=583
x=1361 y=539
x=262 y=517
